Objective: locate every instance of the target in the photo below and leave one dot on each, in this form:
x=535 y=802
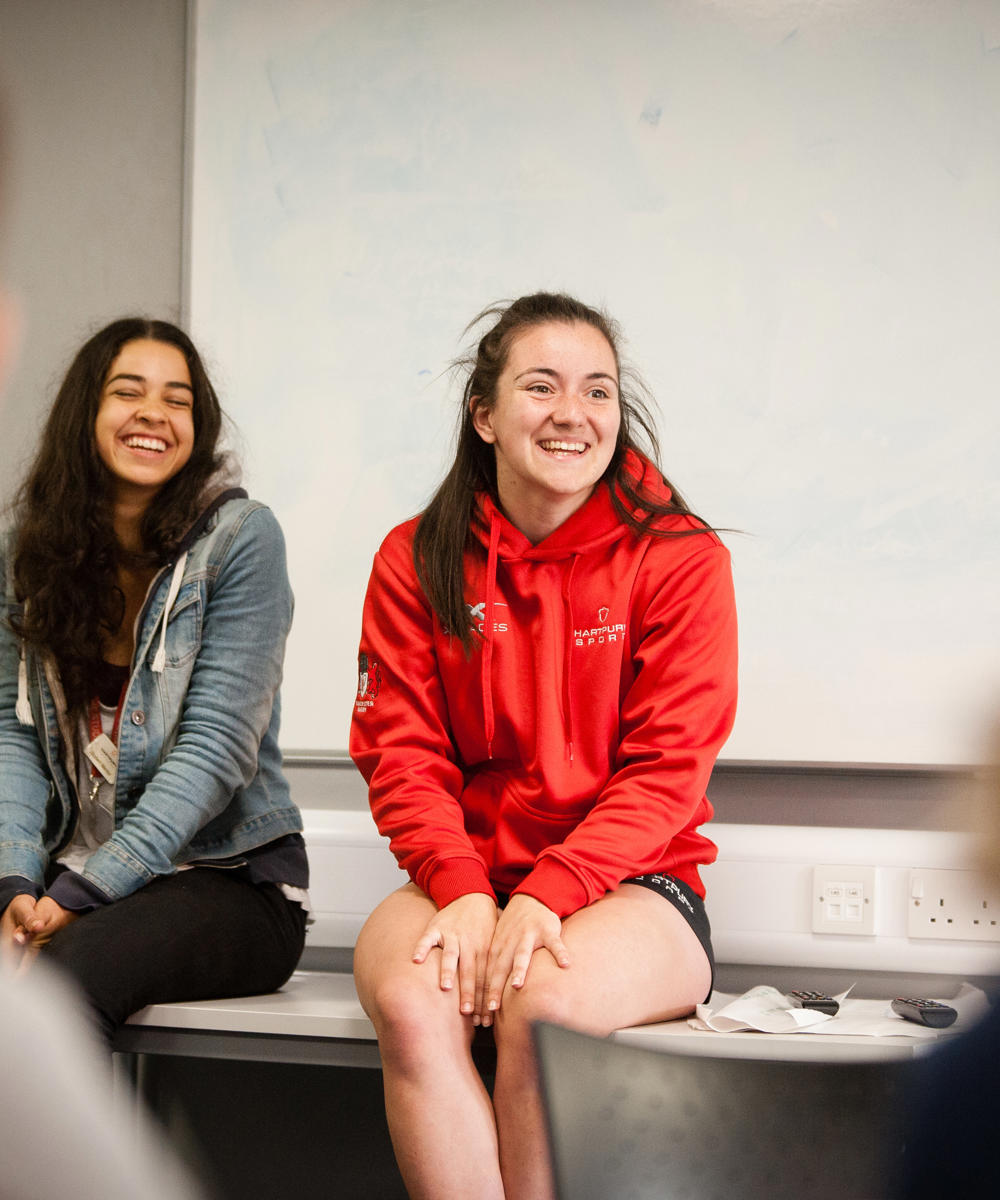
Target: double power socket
x=954 y=905
x=949 y=905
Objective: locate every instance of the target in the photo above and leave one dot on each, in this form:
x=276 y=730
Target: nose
x=568 y=409
x=151 y=408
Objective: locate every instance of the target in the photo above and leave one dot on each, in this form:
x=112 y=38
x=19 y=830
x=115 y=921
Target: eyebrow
x=171 y=383
x=555 y=374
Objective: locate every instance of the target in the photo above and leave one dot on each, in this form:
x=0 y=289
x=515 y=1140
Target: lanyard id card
x=103 y=755
x=101 y=750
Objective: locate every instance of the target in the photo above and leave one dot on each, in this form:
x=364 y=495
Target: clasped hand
x=487 y=949
x=27 y=924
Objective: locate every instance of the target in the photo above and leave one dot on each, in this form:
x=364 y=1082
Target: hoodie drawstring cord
x=568 y=665
x=23 y=707
x=160 y=658
x=487 y=660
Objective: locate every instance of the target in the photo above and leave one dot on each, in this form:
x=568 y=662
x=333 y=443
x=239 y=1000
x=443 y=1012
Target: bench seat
x=316 y=1018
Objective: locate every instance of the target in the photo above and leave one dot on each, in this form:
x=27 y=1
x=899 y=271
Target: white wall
x=50 y=55
x=791 y=205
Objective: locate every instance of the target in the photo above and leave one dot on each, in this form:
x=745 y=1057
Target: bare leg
x=439 y=1113
x=634 y=960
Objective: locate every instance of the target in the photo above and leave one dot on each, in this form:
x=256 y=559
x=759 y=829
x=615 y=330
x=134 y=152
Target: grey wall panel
x=95 y=92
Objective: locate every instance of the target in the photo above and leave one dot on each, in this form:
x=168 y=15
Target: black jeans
x=197 y=935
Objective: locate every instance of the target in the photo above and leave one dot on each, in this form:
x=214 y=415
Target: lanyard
x=102 y=751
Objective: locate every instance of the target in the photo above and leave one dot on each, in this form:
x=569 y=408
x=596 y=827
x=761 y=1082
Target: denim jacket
x=199 y=769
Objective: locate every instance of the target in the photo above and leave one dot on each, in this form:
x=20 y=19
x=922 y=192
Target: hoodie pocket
x=511 y=791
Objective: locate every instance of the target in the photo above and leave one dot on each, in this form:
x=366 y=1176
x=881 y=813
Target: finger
x=557 y=949
x=14 y=934
x=426 y=944
x=480 y=996
x=48 y=918
x=497 y=973
x=467 y=972
x=43 y=926
x=449 y=963
x=21 y=908
x=519 y=967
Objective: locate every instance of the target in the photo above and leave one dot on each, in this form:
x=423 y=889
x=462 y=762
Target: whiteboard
x=792 y=208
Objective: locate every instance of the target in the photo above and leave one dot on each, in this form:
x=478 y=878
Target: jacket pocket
x=183 y=628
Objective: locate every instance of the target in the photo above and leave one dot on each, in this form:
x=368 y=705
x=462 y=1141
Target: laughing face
x=553 y=424
x=145 y=424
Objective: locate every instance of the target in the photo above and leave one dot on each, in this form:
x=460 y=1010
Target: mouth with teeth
x=563 y=449
x=152 y=445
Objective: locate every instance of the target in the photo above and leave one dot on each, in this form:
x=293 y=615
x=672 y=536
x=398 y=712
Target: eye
x=599 y=393
x=543 y=389
x=179 y=401
x=125 y=393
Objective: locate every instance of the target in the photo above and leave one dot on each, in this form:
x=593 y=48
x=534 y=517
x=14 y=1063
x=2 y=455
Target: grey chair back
x=631 y=1123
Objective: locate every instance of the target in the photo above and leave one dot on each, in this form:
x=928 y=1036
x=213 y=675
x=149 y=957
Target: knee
x=412 y=1025
x=393 y=1004
x=95 y=1003
x=541 y=1000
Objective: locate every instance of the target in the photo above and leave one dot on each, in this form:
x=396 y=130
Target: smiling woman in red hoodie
x=548 y=671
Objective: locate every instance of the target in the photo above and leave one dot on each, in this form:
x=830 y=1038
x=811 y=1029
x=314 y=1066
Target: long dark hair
x=444 y=532
x=65 y=552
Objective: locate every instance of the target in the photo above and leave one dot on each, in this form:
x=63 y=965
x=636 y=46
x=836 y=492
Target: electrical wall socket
x=843 y=899
x=953 y=905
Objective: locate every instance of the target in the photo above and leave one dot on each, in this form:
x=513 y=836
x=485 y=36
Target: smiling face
x=553 y=424
x=145 y=423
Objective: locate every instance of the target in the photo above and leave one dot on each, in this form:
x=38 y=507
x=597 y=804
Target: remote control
x=925 y=1012
x=816 y=1000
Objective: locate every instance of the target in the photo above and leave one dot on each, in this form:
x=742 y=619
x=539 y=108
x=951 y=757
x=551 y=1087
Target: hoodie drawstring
x=160 y=658
x=486 y=667
x=23 y=708
x=487 y=660
x=568 y=666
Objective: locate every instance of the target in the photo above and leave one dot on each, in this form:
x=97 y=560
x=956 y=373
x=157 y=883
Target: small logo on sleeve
x=369 y=682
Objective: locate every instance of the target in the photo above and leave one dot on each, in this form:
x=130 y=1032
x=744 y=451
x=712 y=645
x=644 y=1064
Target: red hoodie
x=572 y=749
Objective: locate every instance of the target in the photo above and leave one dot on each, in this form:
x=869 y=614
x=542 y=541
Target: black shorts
x=691 y=907
x=684 y=898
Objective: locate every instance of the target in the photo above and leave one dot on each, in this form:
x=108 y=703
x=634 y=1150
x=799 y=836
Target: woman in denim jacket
x=142 y=632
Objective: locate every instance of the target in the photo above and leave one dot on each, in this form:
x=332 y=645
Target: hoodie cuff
x=16 y=885
x=458 y=877
x=555 y=886
x=71 y=891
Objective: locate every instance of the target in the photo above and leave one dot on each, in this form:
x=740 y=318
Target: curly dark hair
x=65 y=552
x=444 y=532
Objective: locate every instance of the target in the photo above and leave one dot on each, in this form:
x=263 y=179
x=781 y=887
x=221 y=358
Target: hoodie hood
x=593 y=525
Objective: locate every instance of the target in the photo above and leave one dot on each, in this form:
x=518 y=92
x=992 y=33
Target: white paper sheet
x=764 y=1009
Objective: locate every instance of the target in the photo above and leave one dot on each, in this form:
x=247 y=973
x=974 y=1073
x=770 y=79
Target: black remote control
x=925 y=1012
x=816 y=1000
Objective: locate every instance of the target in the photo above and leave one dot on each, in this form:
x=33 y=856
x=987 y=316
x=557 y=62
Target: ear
x=482 y=419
